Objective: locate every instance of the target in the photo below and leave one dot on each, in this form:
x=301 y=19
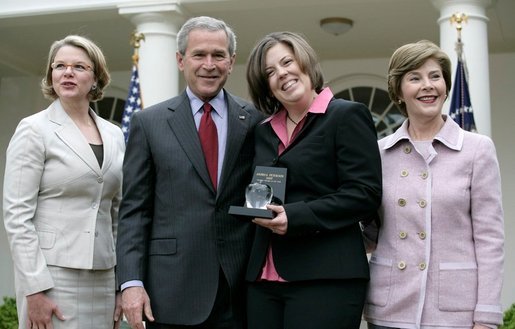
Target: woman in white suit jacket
x=62 y=188
x=439 y=256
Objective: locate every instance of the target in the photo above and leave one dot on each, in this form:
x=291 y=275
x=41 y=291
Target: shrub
x=8 y=316
x=509 y=318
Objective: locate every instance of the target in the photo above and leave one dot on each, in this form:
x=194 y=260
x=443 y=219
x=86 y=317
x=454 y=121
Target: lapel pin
x=241 y=117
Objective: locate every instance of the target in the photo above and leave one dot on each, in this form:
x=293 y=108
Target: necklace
x=289 y=118
x=304 y=113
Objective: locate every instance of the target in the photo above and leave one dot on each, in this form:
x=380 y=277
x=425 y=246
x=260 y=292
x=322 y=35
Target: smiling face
x=70 y=84
x=286 y=80
x=424 y=90
x=206 y=63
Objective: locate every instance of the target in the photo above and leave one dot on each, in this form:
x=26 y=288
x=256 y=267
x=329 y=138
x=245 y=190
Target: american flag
x=133 y=103
x=461 y=107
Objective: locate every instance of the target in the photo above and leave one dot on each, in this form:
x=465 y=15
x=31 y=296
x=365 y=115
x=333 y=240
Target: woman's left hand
x=279 y=224
x=118 y=313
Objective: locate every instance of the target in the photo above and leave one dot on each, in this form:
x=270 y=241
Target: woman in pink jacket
x=438 y=262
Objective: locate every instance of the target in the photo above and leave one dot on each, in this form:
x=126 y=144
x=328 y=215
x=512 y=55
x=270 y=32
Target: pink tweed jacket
x=439 y=257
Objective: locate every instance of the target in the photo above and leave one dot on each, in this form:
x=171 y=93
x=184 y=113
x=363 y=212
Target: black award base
x=274 y=177
x=251 y=212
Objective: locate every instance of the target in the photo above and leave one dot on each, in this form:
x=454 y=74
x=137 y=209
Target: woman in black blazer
x=308 y=266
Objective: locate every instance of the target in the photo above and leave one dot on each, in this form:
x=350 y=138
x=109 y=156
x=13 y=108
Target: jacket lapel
x=108 y=142
x=238 y=122
x=310 y=119
x=183 y=126
x=72 y=137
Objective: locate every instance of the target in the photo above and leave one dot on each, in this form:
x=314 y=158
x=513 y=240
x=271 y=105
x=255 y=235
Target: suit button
x=404 y=173
x=96 y=234
x=407 y=149
x=100 y=179
x=424 y=175
x=422 y=266
x=94 y=205
x=402 y=202
x=422 y=235
x=401 y=265
x=403 y=235
x=422 y=203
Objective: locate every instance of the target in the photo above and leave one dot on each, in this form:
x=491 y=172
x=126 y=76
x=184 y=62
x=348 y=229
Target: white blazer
x=60 y=207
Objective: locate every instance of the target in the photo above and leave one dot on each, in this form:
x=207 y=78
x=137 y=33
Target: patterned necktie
x=209 y=142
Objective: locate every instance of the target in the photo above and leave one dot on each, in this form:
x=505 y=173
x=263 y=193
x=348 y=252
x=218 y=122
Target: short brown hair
x=410 y=57
x=95 y=55
x=257 y=78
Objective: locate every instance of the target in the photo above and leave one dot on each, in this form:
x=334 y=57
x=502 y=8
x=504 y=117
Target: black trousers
x=221 y=316
x=317 y=304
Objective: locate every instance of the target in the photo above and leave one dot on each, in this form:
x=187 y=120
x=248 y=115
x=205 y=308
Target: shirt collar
x=450 y=135
x=319 y=106
x=217 y=102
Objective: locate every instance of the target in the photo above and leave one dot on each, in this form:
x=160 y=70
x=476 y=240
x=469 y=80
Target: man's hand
x=40 y=310
x=135 y=303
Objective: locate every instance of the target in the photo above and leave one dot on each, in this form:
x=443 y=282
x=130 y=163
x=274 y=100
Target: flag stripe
x=461 y=106
x=133 y=103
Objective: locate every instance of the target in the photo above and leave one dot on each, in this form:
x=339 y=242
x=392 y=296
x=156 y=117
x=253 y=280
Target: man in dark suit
x=181 y=257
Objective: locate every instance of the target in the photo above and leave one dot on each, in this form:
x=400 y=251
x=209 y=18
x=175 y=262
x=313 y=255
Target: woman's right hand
x=40 y=310
x=279 y=224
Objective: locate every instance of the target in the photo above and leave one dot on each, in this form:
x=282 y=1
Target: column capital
x=156 y=6
x=154 y=17
x=440 y=4
x=474 y=9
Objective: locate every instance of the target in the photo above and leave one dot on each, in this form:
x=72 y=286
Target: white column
x=475 y=47
x=159 y=22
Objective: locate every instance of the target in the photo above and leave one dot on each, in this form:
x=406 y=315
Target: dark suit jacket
x=333 y=182
x=174 y=230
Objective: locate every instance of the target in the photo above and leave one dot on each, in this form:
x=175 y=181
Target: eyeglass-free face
x=424 y=92
x=206 y=64
x=77 y=67
x=72 y=84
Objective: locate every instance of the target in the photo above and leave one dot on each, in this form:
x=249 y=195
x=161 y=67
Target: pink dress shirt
x=278 y=123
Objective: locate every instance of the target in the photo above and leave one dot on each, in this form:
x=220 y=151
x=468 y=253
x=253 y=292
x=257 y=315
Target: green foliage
x=8 y=316
x=509 y=318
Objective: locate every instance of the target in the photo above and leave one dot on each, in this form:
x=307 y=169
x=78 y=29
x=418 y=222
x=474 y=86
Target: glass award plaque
x=258 y=195
x=268 y=186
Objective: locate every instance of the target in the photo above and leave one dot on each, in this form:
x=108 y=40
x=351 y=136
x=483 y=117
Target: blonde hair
x=95 y=55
